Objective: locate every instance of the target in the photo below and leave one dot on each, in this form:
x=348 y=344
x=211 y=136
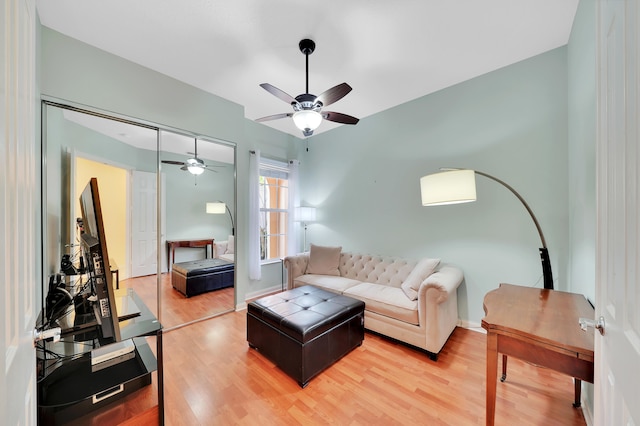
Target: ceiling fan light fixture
x=195 y=166
x=195 y=170
x=307 y=120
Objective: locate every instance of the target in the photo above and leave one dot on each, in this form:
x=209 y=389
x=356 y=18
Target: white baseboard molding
x=257 y=294
x=586 y=409
x=470 y=325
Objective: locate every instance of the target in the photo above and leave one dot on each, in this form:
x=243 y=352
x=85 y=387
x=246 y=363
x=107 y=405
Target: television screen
x=94 y=249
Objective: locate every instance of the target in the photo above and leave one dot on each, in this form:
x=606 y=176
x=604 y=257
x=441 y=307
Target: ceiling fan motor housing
x=306 y=101
x=307 y=46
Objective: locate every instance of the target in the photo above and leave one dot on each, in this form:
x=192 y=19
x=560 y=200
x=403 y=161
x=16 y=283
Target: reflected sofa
x=225 y=250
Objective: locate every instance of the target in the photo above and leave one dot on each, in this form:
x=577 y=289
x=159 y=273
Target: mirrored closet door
x=140 y=168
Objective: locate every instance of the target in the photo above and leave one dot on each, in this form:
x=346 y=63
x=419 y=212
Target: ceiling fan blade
x=279 y=93
x=175 y=163
x=184 y=167
x=338 y=117
x=275 y=116
x=210 y=169
x=334 y=94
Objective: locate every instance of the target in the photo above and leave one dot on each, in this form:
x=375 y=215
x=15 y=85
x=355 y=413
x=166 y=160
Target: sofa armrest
x=445 y=280
x=219 y=248
x=438 y=305
x=296 y=266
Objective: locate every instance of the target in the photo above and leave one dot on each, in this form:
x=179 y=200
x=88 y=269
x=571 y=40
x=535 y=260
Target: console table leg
x=492 y=377
x=578 y=391
x=504 y=368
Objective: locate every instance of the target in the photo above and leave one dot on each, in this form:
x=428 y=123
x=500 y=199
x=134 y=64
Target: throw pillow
x=423 y=269
x=324 y=260
x=230 y=245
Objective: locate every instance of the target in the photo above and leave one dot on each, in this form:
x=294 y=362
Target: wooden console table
x=538 y=326
x=172 y=244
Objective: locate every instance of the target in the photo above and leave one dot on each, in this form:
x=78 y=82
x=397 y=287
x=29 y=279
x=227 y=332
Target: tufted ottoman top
x=305 y=312
x=202 y=267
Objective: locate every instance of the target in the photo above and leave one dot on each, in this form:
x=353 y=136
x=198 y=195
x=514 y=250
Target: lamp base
x=546 y=268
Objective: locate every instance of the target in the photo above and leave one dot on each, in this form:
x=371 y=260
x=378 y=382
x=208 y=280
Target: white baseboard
x=473 y=326
x=257 y=294
x=586 y=409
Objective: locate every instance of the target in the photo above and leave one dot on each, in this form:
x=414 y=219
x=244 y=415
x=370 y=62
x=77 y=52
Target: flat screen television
x=94 y=250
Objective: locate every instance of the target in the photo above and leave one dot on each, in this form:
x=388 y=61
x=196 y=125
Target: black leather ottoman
x=305 y=330
x=201 y=276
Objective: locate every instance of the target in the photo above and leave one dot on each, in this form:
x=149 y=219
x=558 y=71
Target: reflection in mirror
x=124 y=158
x=199 y=243
x=78 y=146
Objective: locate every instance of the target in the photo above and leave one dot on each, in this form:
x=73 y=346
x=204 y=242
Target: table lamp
x=305 y=215
x=454 y=186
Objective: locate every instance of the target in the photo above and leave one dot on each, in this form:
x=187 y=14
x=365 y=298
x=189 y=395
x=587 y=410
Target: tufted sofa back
x=375 y=269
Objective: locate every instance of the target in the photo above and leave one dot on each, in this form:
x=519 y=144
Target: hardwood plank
x=212 y=377
x=178 y=309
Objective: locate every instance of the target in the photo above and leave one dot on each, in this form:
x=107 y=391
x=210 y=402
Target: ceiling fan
x=307 y=108
x=194 y=165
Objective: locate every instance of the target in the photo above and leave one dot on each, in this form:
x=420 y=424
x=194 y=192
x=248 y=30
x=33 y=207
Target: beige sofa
x=411 y=301
x=225 y=249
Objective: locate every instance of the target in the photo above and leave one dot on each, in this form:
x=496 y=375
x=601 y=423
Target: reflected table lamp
x=221 y=208
x=454 y=186
x=305 y=215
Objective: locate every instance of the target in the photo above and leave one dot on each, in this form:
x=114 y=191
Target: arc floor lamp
x=453 y=186
x=221 y=208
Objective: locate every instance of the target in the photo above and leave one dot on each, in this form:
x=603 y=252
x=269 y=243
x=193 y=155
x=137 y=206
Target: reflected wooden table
x=172 y=244
x=538 y=326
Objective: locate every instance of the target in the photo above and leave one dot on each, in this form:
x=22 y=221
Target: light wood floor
x=213 y=378
x=176 y=308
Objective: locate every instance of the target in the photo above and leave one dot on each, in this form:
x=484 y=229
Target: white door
x=144 y=241
x=618 y=225
x=19 y=190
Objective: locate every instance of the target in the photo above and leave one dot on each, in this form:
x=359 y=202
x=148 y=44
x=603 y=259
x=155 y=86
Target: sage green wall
x=582 y=160
x=75 y=72
x=511 y=123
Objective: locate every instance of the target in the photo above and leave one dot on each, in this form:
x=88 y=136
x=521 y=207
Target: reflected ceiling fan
x=307 y=108
x=194 y=165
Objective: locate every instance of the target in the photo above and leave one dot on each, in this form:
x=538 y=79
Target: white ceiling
x=390 y=52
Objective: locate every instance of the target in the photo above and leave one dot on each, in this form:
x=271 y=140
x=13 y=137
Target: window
x=274 y=209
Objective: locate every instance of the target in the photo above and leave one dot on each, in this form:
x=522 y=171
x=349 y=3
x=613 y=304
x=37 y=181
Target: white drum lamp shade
x=305 y=214
x=216 y=208
x=448 y=187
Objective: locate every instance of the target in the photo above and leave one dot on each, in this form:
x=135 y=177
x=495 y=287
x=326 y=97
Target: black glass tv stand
x=70 y=387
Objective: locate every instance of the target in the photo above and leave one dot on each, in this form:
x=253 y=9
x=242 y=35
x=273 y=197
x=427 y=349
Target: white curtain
x=255 y=271
x=292 y=228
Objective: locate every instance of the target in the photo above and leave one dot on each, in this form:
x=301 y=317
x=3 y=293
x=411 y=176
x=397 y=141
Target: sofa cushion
x=324 y=260
x=385 y=300
x=326 y=282
x=422 y=270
